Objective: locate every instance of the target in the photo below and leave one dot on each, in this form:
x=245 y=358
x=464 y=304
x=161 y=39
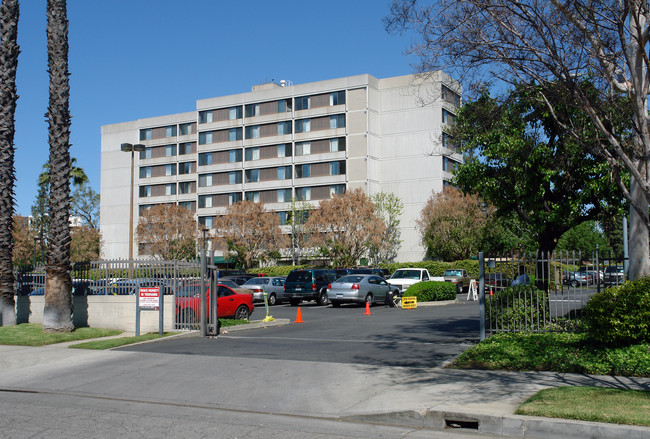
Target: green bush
x=620 y=315
x=436 y=268
x=518 y=307
x=431 y=291
x=281 y=270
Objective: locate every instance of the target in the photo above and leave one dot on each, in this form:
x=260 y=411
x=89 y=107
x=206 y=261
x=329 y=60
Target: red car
x=229 y=304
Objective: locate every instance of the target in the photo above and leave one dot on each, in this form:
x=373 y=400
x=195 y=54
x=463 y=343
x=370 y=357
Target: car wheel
x=272 y=299
x=335 y=304
x=242 y=313
x=459 y=288
x=574 y=283
x=322 y=299
x=294 y=302
x=369 y=299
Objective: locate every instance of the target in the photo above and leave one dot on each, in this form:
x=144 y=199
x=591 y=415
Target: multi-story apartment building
x=308 y=141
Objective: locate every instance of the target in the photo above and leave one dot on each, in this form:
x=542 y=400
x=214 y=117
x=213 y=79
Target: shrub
x=431 y=291
x=620 y=315
x=519 y=307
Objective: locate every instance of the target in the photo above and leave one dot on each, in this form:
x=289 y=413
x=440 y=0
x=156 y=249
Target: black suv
x=308 y=285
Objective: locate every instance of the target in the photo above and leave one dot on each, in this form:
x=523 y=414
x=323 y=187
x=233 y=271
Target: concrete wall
x=108 y=312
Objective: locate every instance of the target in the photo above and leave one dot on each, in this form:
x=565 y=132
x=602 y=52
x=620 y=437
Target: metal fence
x=542 y=292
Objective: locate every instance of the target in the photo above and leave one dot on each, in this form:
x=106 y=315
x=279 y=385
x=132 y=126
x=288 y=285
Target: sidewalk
x=436 y=398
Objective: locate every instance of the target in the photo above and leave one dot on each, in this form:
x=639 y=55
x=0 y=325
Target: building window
x=186 y=129
x=185 y=168
x=145 y=191
x=337 y=144
x=233 y=198
x=253 y=196
x=206 y=221
x=253 y=132
x=170 y=189
x=252 y=154
x=170 y=151
x=284 y=195
x=205 y=138
x=448 y=117
x=303 y=148
x=205 y=158
x=205 y=116
x=186 y=204
x=450 y=96
x=282 y=150
x=185 y=187
x=234 y=156
x=337 y=121
x=449 y=165
x=337 y=189
x=185 y=148
x=448 y=142
x=146 y=154
x=303 y=171
x=303 y=193
x=252 y=175
x=234 y=113
x=145 y=172
x=170 y=170
x=205 y=180
x=283 y=217
x=170 y=131
x=145 y=134
x=205 y=201
x=282 y=106
x=303 y=125
x=284 y=173
x=302 y=103
x=337 y=98
x=234 y=177
x=234 y=134
x=252 y=110
x=337 y=168
x=284 y=128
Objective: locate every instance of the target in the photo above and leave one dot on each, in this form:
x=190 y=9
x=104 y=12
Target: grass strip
x=31 y=334
x=593 y=404
x=556 y=352
x=121 y=341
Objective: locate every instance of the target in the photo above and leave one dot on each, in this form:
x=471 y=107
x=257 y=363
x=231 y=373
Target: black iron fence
x=542 y=292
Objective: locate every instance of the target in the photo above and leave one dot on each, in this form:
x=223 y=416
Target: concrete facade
x=307 y=140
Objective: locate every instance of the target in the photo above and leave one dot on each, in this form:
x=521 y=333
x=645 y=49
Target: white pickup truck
x=405 y=277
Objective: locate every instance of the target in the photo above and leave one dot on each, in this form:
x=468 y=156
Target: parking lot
x=422 y=337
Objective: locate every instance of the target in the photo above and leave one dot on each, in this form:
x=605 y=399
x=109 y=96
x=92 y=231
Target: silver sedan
x=360 y=288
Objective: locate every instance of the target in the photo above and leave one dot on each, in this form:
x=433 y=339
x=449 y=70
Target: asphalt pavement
x=190 y=372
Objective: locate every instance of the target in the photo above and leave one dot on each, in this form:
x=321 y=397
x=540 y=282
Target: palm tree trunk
x=57 y=314
x=9 y=51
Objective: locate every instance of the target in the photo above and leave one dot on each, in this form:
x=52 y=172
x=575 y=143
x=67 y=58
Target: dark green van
x=308 y=285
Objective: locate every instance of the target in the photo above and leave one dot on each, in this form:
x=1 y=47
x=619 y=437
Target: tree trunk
x=639 y=242
x=57 y=315
x=9 y=51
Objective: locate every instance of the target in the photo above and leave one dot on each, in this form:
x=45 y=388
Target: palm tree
x=57 y=314
x=9 y=51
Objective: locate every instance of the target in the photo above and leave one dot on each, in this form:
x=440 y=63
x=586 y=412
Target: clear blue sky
x=132 y=59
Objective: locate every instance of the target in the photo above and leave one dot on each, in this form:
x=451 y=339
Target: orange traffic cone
x=491 y=292
x=298 y=317
x=367 y=313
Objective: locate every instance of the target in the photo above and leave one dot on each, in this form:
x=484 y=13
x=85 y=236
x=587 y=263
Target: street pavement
x=436 y=401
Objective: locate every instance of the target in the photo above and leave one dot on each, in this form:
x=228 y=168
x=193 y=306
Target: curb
x=254 y=325
x=509 y=426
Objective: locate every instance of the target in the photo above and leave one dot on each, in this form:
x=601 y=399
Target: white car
x=405 y=277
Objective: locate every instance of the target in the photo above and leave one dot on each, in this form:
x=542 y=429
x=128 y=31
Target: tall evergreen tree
x=57 y=314
x=9 y=51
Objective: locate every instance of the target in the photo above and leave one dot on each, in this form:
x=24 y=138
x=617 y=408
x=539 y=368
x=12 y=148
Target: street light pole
x=127 y=147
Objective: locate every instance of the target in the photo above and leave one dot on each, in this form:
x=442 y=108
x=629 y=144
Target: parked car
x=592 y=273
x=614 y=275
x=80 y=287
x=273 y=286
x=308 y=285
x=458 y=277
x=403 y=278
x=496 y=280
x=576 y=278
x=230 y=304
x=360 y=288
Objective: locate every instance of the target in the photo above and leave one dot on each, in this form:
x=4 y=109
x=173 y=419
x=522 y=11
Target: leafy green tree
x=57 y=312
x=532 y=166
x=300 y=234
x=584 y=238
x=85 y=204
x=9 y=51
x=389 y=208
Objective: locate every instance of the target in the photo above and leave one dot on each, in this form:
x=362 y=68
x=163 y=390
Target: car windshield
x=453 y=273
x=229 y=283
x=350 y=279
x=257 y=281
x=299 y=276
x=406 y=274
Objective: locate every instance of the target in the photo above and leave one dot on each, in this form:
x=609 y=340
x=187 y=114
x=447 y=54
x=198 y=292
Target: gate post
x=203 y=293
x=481 y=294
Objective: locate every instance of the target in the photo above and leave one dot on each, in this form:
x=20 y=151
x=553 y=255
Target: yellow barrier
x=409 y=302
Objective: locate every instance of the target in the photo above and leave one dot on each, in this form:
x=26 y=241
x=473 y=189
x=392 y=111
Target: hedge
x=431 y=291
